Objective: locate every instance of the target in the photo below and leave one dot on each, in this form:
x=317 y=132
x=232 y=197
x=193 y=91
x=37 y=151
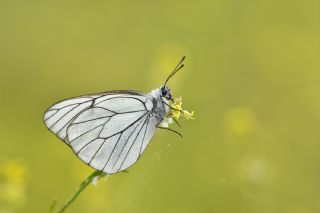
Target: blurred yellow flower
x=13 y=172
x=240 y=120
x=12 y=184
x=255 y=170
x=13 y=194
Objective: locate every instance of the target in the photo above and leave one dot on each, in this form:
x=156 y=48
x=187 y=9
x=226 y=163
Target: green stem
x=82 y=186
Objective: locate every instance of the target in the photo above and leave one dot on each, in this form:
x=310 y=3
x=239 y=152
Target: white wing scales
x=126 y=139
x=108 y=132
x=150 y=131
x=49 y=114
x=59 y=116
x=120 y=105
x=103 y=154
x=120 y=122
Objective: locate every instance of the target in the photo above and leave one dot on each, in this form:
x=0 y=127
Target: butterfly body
x=160 y=105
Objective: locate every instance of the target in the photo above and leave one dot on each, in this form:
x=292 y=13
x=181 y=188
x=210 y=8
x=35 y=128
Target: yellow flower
x=177 y=110
x=188 y=115
x=177 y=103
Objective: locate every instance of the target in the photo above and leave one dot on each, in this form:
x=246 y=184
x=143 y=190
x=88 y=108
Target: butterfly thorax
x=160 y=105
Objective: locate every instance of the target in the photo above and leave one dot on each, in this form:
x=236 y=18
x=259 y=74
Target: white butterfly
x=109 y=131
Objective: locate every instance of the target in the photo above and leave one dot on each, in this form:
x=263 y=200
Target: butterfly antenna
x=175 y=70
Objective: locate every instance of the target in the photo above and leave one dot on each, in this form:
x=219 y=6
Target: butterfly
x=109 y=131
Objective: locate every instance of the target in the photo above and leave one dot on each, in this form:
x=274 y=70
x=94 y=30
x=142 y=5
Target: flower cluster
x=178 y=112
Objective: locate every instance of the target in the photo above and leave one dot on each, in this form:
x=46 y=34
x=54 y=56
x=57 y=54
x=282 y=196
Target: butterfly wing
x=108 y=131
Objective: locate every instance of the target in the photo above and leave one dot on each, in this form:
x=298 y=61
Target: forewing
x=108 y=132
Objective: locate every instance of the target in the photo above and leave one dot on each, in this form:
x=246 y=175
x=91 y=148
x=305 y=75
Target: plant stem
x=83 y=185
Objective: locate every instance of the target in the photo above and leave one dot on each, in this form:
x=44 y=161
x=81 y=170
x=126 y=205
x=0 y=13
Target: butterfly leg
x=175 y=120
x=172 y=107
x=174 y=131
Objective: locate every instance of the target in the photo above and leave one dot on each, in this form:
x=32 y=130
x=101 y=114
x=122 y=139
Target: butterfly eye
x=163 y=91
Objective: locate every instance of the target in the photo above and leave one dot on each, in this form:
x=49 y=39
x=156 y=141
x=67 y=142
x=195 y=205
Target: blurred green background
x=252 y=77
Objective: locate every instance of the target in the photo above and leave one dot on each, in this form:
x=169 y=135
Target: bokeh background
x=252 y=77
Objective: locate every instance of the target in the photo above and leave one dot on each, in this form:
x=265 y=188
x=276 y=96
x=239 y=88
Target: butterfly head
x=165 y=92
